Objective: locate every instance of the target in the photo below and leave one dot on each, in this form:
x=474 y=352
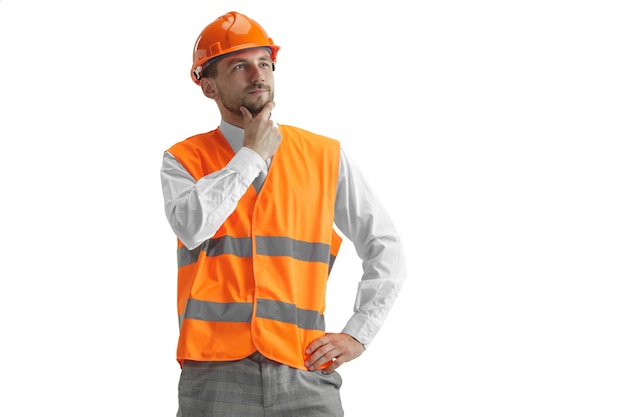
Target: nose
x=256 y=74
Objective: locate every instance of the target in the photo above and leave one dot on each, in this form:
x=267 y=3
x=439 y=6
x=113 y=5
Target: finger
x=332 y=367
x=266 y=111
x=314 y=345
x=321 y=356
x=319 y=363
x=334 y=363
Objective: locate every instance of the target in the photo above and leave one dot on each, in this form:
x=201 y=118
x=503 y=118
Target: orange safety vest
x=260 y=282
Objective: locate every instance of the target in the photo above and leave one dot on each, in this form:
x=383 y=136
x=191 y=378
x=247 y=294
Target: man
x=254 y=205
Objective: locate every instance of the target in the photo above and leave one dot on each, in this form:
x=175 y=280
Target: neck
x=233 y=119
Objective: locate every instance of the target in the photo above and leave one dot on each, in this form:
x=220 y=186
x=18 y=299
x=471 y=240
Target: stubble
x=253 y=103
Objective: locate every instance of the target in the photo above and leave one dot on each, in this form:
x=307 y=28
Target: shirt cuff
x=361 y=328
x=247 y=163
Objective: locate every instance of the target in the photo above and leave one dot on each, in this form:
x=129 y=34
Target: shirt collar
x=233 y=134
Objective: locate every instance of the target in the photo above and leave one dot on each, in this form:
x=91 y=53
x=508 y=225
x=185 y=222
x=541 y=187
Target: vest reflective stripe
x=266 y=245
x=241 y=246
x=187 y=257
x=212 y=311
x=285 y=312
x=242 y=312
x=284 y=246
x=260 y=282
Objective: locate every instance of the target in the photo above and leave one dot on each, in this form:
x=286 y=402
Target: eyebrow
x=235 y=60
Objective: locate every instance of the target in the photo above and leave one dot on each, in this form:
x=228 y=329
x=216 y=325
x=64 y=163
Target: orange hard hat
x=228 y=33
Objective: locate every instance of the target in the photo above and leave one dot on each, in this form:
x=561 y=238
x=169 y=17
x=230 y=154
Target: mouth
x=258 y=90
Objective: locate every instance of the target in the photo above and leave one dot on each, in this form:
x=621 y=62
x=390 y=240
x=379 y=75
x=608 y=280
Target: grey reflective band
x=226 y=245
x=241 y=246
x=289 y=313
x=331 y=263
x=187 y=257
x=297 y=249
x=212 y=311
x=266 y=245
x=242 y=312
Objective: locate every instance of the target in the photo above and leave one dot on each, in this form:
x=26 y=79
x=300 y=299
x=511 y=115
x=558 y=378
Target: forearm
x=196 y=209
x=361 y=216
x=384 y=274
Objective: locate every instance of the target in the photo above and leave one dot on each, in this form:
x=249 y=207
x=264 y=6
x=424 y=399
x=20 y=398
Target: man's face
x=245 y=79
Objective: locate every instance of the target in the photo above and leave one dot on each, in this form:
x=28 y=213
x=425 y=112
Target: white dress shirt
x=196 y=210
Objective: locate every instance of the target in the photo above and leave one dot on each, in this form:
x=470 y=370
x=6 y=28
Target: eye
x=239 y=67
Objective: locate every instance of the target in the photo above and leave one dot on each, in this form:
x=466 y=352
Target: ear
x=208 y=87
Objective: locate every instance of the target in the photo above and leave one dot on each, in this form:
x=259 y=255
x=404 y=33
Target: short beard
x=254 y=107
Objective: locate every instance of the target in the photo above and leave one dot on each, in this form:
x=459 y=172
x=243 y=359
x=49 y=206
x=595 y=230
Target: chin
x=256 y=107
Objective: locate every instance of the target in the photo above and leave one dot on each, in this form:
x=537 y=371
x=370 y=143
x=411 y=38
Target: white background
x=493 y=130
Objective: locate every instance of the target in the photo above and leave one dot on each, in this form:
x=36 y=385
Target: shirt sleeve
x=196 y=209
x=363 y=219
